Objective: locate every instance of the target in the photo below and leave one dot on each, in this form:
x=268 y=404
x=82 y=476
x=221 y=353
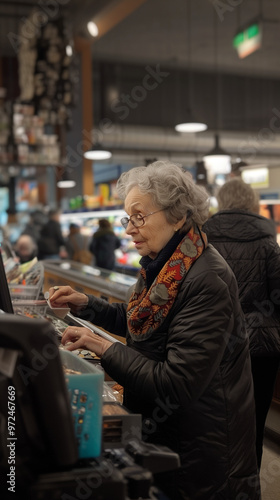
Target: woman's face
x=156 y=232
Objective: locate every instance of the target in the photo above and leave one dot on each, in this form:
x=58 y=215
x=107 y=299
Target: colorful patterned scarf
x=147 y=309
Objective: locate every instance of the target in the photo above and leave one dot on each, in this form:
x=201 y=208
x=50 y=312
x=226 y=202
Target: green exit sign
x=248 y=41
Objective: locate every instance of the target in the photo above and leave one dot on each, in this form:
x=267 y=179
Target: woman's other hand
x=82 y=337
x=65 y=296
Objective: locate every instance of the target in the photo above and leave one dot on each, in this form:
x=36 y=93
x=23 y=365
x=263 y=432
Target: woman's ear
x=180 y=223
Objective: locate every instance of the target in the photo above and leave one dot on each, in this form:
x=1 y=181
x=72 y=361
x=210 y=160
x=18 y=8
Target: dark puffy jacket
x=103 y=246
x=51 y=239
x=247 y=242
x=191 y=380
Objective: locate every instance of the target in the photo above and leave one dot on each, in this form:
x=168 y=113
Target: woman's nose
x=130 y=229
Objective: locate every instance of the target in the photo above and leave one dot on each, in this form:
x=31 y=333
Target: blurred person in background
x=186 y=364
x=103 y=245
x=247 y=241
x=51 y=243
x=26 y=248
x=77 y=245
x=37 y=220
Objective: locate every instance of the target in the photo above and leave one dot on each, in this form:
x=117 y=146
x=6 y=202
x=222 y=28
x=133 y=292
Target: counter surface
x=110 y=285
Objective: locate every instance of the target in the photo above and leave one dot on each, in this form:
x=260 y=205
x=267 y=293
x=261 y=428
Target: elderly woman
x=185 y=365
x=248 y=243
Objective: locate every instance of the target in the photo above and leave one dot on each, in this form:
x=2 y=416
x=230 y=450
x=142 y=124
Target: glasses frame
x=126 y=220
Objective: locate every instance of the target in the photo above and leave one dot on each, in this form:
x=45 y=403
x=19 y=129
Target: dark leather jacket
x=247 y=242
x=191 y=380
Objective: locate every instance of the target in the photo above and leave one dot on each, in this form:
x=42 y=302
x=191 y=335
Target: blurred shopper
x=77 y=245
x=26 y=248
x=37 y=220
x=103 y=245
x=51 y=243
x=247 y=241
x=186 y=366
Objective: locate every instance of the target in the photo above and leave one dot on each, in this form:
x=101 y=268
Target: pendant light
x=237 y=166
x=190 y=124
x=97 y=152
x=92 y=29
x=217 y=161
x=65 y=182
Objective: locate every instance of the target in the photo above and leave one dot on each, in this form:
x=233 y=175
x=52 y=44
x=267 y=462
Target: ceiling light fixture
x=92 y=29
x=69 y=50
x=217 y=160
x=97 y=152
x=190 y=125
x=237 y=166
x=65 y=182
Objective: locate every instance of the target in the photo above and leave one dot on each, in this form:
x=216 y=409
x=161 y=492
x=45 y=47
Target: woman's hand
x=83 y=337
x=65 y=296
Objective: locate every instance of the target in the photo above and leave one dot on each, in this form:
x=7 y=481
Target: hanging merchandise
x=45 y=69
x=27 y=55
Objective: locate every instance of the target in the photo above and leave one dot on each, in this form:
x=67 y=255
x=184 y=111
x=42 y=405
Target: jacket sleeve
x=196 y=341
x=273 y=272
x=111 y=317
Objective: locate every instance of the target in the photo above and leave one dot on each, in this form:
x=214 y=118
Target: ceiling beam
x=114 y=13
x=17 y=3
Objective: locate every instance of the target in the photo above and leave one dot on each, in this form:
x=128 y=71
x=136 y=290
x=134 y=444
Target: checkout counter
x=108 y=285
x=73 y=438
x=115 y=287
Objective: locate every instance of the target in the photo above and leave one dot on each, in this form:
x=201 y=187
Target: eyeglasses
x=136 y=219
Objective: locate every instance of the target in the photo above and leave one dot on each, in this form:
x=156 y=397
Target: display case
x=109 y=285
x=127 y=259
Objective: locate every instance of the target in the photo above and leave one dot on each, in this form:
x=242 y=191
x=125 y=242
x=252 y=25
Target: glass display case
x=109 y=285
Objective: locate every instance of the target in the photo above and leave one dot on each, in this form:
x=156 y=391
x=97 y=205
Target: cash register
x=40 y=448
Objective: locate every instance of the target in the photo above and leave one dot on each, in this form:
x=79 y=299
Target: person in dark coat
x=186 y=364
x=37 y=220
x=247 y=241
x=103 y=245
x=51 y=244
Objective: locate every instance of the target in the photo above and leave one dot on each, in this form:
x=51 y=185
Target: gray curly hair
x=171 y=188
x=235 y=193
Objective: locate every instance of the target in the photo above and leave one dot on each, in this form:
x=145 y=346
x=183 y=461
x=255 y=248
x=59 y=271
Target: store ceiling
x=157 y=31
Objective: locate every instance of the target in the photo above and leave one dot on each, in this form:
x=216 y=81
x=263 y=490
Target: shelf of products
x=27 y=138
x=126 y=257
x=34 y=136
